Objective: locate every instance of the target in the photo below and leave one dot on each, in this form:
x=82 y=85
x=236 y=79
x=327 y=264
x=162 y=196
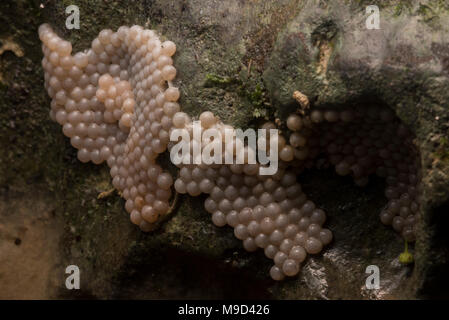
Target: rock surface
x=242 y=60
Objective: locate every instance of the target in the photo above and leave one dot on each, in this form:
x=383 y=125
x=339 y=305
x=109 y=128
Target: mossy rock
x=242 y=61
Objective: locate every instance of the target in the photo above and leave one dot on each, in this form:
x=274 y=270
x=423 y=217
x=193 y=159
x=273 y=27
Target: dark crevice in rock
x=436 y=283
x=201 y=278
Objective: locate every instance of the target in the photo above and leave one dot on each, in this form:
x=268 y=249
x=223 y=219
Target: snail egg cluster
x=269 y=212
x=361 y=143
x=116 y=104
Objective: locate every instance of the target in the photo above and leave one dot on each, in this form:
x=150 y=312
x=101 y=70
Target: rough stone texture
x=242 y=60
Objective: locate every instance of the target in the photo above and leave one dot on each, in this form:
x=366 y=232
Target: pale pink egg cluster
x=115 y=104
x=359 y=143
x=272 y=212
x=266 y=211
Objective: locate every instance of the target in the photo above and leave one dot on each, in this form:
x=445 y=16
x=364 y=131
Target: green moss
x=442 y=151
x=251 y=91
x=257 y=98
x=426 y=12
x=402 y=8
x=216 y=80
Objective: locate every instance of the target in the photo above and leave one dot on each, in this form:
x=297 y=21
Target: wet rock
x=243 y=61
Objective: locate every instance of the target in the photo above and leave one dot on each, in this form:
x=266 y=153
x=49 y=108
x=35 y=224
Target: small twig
x=303 y=101
x=105 y=194
x=167 y=215
x=173 y=204
x=197 y=58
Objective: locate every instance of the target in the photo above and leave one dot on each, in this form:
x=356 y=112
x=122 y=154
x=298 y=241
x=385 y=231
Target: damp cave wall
x=241 y=60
